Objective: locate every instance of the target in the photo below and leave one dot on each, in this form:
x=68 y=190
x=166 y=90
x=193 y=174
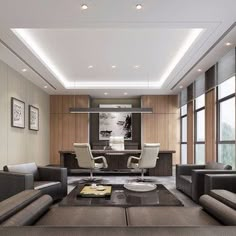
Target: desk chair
x=117 y=142
x=146 y=160
x=86 y=159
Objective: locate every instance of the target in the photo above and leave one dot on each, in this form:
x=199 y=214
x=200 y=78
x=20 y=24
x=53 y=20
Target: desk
x=116 y=162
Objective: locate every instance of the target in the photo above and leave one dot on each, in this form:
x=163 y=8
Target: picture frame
x=33 y=118
x=17 y=113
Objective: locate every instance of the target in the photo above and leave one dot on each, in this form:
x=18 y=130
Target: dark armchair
x=190 y=178
x=49 y=180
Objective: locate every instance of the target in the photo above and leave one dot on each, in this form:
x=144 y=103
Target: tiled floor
x=168 y=182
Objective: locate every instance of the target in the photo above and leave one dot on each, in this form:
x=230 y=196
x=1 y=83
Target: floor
x=168 y=182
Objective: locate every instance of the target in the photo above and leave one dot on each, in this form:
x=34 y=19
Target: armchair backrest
x=117 y=142
x=84 y=155
x=149 y=155
x=26 y=168
x=217 y=166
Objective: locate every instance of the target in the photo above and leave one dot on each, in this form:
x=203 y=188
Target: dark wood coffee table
x=123 y=197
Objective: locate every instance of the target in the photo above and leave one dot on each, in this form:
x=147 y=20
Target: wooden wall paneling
x=56 y=104
x=161 y=105
x=173 y=104
x=67 y=102
x=68 y=131
x=162 y=131
x=190 y=133
x=174 y=136
x=81 y=128
x=82 y=101
x=55 y=137
x=210 y=120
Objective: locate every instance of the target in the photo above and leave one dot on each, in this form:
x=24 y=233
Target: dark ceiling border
x=205 y=54
x=26 y=63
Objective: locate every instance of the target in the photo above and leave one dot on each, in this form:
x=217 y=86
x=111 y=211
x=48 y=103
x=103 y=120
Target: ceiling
x=112 y=47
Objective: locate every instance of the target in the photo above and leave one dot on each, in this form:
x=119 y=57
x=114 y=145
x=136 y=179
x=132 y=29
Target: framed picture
x=114 y=123
x=33 y=118
x=17 y=113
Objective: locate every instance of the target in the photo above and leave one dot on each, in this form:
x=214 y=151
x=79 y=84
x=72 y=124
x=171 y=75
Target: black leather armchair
x=17 y=178
x=190 y=178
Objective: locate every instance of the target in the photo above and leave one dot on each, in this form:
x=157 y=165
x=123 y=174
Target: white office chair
x=86 y=159
x=146 y=160
x=117 y=142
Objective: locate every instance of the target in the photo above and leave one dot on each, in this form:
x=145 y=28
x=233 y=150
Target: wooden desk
x=163 y=166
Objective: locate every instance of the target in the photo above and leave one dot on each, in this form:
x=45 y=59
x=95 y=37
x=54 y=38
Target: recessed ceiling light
x=113 y=66
x=136 y=66
x=181 y=86
x=45 y=86
x=199 y=70
x=139 y=6
x=84 y=7
x=228 y=44
x=24 y=70
x=125 y=93
x=105 y=93
x=90 y=66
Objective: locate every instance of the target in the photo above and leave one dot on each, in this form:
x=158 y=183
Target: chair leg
x=91 y=174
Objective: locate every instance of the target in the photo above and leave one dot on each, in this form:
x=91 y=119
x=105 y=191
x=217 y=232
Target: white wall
x=22 y=145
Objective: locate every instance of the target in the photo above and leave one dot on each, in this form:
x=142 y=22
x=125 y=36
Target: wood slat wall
x=66 y=128
x=163 y=125
x=210 y=131
x=190 y=133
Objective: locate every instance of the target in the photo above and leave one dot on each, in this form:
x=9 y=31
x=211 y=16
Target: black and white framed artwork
x=115 y=123
x=17 y=113
x=33 y=118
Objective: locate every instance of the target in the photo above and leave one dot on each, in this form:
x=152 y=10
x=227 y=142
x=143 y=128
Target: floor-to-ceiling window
x=199 y=134
x=183 y=138
x=226 y=122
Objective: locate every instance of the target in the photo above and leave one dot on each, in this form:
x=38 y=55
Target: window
x=183 y=138
x=199 y=139
x=226 y=122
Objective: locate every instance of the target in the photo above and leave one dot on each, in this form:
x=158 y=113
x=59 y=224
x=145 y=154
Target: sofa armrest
x=187 y=169
x=12 y=183
x=54 y=174
x=198 y=177
x=220 y=181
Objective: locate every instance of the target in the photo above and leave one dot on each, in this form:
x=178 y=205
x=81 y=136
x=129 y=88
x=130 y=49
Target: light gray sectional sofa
x=31 y=213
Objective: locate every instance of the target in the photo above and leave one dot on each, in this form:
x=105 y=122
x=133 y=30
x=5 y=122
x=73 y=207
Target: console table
x=117 y=160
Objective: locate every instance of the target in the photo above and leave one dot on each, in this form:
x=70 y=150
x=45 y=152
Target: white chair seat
x=99 y=165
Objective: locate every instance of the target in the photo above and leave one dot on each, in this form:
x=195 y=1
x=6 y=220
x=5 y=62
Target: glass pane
x=200 y=101
x=226 y=154
x=183 y=153
x=184 y=129
x=226 y=88
x=200 y=154
x=183 y=110
x=227 y=120
x=200 y=129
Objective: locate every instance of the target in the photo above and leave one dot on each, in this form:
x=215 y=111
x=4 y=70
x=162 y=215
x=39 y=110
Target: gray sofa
x=220 y=199
x=190 y=178
x=33 y=215
x=49 y=180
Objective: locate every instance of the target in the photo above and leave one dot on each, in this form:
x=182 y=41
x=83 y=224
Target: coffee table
x=123 y=197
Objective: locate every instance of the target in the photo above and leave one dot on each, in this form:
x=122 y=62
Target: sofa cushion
x=84 y=216
x=217 y=166
x=26 y=168
x=168 y=216
x=31 y=213
x=44 y=184
x=225 y=197
x=17 y=202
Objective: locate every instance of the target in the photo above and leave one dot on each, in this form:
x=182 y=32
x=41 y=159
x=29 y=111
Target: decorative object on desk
x=140 y=187
x=117 y=143
x=99 y=191
x=17 y=113
x=115 y=124
x=33 y=118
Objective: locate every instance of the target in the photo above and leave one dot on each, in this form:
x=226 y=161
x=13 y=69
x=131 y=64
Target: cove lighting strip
x=38 y=50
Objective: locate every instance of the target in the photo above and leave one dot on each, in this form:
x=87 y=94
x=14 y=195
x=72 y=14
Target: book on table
x=89 y=191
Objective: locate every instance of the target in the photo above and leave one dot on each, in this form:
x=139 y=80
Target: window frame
x=181 y=135
x=195 y=126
